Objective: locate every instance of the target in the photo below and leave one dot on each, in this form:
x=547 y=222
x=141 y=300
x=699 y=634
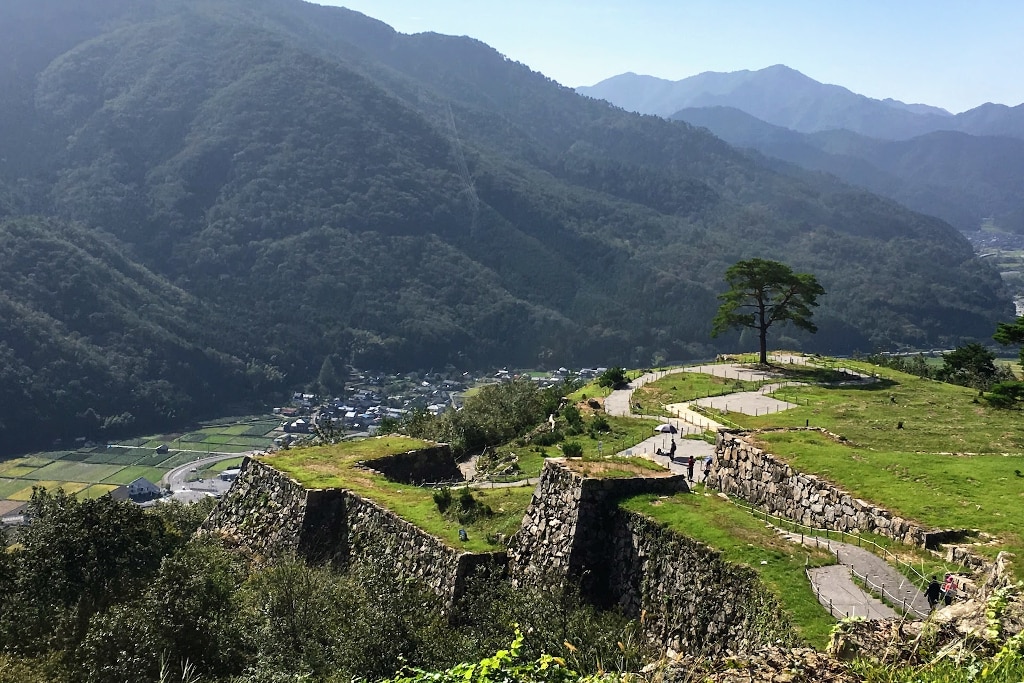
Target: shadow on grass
x=832 y=379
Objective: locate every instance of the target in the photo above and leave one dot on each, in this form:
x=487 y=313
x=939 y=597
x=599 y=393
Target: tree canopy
x=762 y=293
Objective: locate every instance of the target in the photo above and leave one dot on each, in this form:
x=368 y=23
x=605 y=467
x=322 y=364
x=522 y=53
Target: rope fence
x=920 y=581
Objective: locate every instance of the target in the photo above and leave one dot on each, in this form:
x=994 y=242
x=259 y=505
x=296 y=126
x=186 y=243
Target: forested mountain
x=785 y=97
x=242 y=187
x=963 y=179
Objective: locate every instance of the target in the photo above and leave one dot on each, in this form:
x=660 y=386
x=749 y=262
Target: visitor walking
x=933 y=592
x=689 y=467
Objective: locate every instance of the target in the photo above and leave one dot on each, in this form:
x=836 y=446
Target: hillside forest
x=200 y=201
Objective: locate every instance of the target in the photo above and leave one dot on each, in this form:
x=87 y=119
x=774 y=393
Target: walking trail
x=834 y=585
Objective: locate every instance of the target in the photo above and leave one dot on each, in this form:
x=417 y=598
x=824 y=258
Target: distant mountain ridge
x=963 y=179
x=785 y=97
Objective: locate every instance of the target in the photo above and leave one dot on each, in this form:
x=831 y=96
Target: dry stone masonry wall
x=433 y=465
x=564 y=528
x=691 y=599
x=269 y=513
x=741 y=469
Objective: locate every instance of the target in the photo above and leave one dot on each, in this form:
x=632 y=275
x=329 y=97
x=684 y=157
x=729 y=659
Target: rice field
x=93 y=471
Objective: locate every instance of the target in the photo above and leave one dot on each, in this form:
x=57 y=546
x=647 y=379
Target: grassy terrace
x=687 y=386
x=956 y=463
x=744 y=540
x=625 y=433
x=616 y=467
x=336 y=467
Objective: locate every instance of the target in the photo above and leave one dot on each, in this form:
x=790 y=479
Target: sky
x=952 y=54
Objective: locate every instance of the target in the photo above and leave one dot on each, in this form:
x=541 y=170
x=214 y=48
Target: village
x=369 y=398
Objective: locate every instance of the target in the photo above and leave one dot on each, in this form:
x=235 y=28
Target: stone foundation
x=691 y=600
x=271 y=514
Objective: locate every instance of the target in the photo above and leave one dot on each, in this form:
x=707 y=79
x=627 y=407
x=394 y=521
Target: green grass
x=95 y=491
x=75 y=471
x=334 y=467
x=614 y=467
x=744 y=540
x=19 y=472
x=130 y=474
x=953 y=465
x=174 y=459
x=218 y=467
x=938 y=490
x=117 y=456
x=230 y=448
x=531 y=462
x=235 y=430
x=687 y=386
x=10 y=486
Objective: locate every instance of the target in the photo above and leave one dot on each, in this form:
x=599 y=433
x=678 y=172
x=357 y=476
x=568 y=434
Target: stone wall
x=741 y=469
x=432 y=465
x=564 y=530
x=270 y=514
x=691 y=599
x=265 y=512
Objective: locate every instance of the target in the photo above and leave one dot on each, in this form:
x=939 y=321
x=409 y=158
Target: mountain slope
x=325 y=185
x=95 y=345
x=960 y=178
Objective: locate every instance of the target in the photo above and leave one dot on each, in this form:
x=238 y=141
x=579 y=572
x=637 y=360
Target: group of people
x=671 y=453
x=944 y=592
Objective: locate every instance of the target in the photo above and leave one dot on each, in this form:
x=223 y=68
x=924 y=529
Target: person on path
x=933 y=591
x=672 y=450
x=689 y=467
x=948 y=589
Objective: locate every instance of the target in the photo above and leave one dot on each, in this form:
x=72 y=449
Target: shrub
x=612 y=377
x=572 y=449
x=1005 y=394
x=443 y=499
x=548 y=438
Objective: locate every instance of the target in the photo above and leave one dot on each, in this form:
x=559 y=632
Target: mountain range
x=964 y=168
x=201 y=200
x=785 y=97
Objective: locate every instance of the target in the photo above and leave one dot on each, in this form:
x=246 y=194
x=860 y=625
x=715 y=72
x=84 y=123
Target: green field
x=75 y=471
x=687 y=386
x=130 y=474
x=97 y=469
x=955 y=463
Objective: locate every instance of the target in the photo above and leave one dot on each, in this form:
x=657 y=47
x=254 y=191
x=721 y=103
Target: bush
x=1005 y=394
x=443 y=499
x=572 y=449
x=548 y=438
x=612 y=377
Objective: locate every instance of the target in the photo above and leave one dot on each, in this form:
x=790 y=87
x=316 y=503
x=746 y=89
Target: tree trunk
x=762 y=333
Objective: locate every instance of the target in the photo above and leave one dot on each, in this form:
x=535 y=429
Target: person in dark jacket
x=934 y=589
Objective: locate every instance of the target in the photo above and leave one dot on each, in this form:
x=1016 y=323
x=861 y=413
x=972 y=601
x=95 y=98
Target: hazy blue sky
x=950 y=54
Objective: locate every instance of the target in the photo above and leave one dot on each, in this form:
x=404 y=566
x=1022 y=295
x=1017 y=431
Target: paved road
x=188 y=492
x=842 y=597
x=836 y=587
